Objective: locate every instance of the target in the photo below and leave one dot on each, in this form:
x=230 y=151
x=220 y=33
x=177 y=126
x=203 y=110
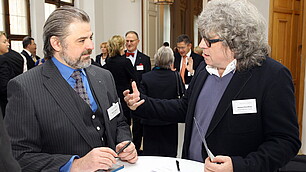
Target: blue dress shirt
x=66 y=73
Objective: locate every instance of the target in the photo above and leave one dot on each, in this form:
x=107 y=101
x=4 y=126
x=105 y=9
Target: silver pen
x=211 y=156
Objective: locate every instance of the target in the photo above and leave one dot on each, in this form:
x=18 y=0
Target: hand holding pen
x=126 y=151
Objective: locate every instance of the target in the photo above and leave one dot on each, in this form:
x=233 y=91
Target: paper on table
x=211 y=156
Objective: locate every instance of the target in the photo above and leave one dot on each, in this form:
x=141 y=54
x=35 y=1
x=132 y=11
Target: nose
x=90 y=45
x=203 y=44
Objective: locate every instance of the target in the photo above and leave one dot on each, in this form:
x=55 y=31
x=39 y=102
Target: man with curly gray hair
x=242 y=100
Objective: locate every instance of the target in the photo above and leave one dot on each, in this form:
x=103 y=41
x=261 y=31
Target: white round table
x=161 y=164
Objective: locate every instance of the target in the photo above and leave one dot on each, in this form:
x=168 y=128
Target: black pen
x=125 y=146
x=178 y=165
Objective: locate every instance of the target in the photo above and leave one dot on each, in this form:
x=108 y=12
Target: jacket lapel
x=237 y=83
x=195 y=89
x=60 y=89
x=100 y=92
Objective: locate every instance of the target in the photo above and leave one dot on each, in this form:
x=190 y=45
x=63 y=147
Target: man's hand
x=129 y=154
x=132 y=100
x=219 y=164
x=97 y=158
x=190 y=65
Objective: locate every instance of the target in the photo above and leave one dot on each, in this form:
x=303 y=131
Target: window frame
x=59 y=3
x=7 y=29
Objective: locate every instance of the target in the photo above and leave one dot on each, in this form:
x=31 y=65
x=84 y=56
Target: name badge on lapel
x=113 y=111
x=244 y=106
x=139 y=67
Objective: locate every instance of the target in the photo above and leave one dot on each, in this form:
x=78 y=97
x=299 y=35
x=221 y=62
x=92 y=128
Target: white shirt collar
x=28 y=52
x=188 y=54
x=229 y=68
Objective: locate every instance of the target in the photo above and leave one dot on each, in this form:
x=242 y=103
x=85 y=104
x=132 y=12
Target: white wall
x=108 y=18
x=112 y=17
x=37 y=14
x=263 y=6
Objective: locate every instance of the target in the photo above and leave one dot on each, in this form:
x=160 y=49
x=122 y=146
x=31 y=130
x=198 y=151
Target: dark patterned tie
x=79 y=86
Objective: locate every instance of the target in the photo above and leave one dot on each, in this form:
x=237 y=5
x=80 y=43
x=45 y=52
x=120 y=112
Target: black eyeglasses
x=208 y=42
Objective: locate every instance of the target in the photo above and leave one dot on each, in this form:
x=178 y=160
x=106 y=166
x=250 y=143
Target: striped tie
x=79 y=86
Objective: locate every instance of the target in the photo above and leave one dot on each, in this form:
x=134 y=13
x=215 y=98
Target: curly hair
x=241 y=26
x=115 y=45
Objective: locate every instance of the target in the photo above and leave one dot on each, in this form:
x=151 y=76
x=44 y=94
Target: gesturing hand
x=133 y=99
x=190 y=65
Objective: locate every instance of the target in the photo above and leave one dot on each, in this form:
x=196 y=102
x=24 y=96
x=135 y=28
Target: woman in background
x=122 y=70
x=160 y=138
x=101 y=58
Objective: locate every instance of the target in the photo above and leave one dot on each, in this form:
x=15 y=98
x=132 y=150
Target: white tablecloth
x=161 y=164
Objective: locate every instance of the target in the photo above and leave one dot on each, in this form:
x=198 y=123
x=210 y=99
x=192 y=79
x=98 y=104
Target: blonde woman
x=101 y=58
x=121 y=68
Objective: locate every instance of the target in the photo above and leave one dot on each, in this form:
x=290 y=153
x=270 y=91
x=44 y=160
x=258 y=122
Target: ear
x=55 y=43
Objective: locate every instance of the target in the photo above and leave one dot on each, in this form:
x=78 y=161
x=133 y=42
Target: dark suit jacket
x=11 y=65
x=98 y=60
x=30 y=61
x=144 y=60
x=122 y=71
x=162 y=84
x=197 y=59
x=262 y=141
x=44 y=123
x=7 y=161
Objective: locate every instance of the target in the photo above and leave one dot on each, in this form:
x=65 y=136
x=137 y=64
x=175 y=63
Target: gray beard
x=76 y=64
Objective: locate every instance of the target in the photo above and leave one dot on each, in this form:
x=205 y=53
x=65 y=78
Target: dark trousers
x=137 y=133
x=160 y=140
x=126 y=111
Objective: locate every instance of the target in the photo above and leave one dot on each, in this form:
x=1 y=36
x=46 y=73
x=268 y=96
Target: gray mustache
x=87 y=52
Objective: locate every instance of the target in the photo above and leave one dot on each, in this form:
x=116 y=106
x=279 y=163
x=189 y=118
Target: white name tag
x=244 y=106
x=113 y=111
x=139 y=67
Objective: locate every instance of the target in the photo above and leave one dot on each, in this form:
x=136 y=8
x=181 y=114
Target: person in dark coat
x=186 y=61
x=160 y=138
x=240 y=101
x=142 y=64
x=29 y=51
x=101 y=58
x=11 y=65
x=65 y=115
x=121 y=69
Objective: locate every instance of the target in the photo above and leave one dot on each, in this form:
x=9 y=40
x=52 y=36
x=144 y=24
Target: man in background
x=12 y=64
x=29 y=51
x=142 y=64
x=186 y=61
